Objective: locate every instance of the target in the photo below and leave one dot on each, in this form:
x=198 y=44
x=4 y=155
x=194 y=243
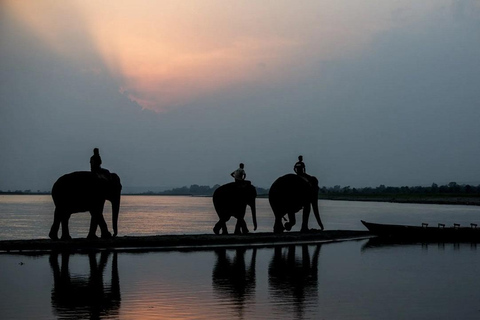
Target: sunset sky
x=179 y=92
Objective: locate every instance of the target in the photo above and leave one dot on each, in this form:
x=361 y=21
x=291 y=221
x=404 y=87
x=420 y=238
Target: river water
x=341 y=280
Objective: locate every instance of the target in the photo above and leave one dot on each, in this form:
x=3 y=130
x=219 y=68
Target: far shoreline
x=454 y=200
x=391 y=198
x=440 y=200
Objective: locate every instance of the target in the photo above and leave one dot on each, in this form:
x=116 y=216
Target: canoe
x=439 y=233
x=181 y=242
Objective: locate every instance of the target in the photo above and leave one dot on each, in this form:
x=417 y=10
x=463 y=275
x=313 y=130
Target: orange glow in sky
x=164 y=54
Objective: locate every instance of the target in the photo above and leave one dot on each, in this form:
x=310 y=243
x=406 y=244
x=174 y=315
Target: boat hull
x=423 y=233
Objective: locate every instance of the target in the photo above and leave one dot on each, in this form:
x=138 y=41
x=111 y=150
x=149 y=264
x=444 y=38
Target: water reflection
x=85 y=296
x=231 y=277
x=293 y=279
x=268 y=283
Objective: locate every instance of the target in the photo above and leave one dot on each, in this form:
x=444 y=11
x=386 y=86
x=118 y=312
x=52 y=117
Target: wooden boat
x=439 y=233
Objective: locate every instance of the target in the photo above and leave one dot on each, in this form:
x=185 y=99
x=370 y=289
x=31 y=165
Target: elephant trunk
x=254 y=214
x=115 y=211
x=315 y=211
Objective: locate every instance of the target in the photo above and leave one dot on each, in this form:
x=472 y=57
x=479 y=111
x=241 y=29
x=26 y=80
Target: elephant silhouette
x=233 y=278
x=294 y=279
x=231 y=200
x=85 y=191
x=290 y=193
x=85 y=295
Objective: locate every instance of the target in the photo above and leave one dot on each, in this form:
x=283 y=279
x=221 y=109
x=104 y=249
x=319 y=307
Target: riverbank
x=452 y=200
x=180 y=242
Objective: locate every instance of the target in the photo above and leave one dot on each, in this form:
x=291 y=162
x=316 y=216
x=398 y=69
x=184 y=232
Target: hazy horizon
x=179 y=93
x=159 y=189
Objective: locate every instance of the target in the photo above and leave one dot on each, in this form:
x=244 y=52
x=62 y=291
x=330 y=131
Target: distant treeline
x=196 y=190
x=452 y=188
x=449 y=189
x=26 y=192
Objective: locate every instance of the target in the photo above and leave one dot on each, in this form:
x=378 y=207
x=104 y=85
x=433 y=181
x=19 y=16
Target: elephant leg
x=291 y=221
x=103 y=227
x=216 y=228
x=241 y=226
x=278 y=226
x=65 y=230
x=56 y=225
x=224 y=228
x=238 y=228
x=220 y=225
x=244 y=228
x=97 y=219
x=306 y=215
x=93 y=227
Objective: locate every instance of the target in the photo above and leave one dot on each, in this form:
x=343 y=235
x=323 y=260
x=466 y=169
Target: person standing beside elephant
x=95 y=161
x=239 y=175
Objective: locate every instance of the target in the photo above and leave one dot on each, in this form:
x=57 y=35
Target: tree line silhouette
x=197 y=190
x=25 y=192
x=450 y=189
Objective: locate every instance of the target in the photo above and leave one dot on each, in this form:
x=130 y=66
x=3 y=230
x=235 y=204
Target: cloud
x=167 y=54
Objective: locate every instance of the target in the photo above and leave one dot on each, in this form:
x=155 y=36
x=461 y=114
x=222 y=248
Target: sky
x=175 y=93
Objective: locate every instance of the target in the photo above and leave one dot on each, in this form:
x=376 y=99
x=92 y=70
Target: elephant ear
x=115 y=179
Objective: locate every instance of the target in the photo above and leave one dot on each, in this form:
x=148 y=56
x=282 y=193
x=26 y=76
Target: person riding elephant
x=301 y=170
x=231 y=200
x=299 y=167
x=239 y=175
x=95 y=161
x=95 y=165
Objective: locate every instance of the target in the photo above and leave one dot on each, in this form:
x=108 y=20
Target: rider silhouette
x=239 y=175
x=301 y=171
x=95 y=165
x=299 y=167
x=95 y=161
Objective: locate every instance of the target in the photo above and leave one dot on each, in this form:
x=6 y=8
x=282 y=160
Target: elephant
x=231 y=200
x=290 y=193
x=85 y=191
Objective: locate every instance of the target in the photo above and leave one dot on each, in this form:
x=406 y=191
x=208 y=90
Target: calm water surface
x=30 y=217
x=344 y=280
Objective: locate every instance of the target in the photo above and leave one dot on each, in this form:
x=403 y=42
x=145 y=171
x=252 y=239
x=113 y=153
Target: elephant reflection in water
x=85 y=295
x=294 y=279
x=232 y=277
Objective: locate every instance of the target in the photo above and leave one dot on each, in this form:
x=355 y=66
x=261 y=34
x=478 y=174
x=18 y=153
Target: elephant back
x=233 y=192
x=84 y=184
x=291 y=186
